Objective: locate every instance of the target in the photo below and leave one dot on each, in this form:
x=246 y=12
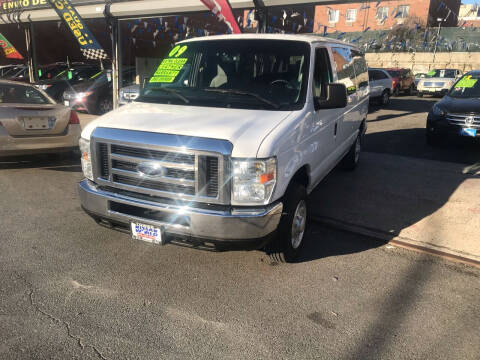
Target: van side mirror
x=336 y=97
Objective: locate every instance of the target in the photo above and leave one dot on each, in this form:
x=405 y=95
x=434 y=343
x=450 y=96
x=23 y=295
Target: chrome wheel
x=299 y=223
x=385 y=98
x=358 y=149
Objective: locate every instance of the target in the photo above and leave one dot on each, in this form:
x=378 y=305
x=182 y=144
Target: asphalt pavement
x=70 y=289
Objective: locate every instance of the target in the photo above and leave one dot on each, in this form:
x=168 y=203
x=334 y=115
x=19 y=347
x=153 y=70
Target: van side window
x=361 y=70
x=345 y=70
x=322 y=73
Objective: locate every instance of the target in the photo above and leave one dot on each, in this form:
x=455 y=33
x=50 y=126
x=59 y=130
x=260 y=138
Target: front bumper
x=432 y=90
x=25 y=145
x=226 y=225
x=441 y=127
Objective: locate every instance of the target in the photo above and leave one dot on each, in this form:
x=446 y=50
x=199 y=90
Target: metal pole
x=115 y=62
x=31 y=54
x=436 y=40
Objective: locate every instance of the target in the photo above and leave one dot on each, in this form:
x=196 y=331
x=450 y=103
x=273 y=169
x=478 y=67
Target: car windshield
x=444 y=73
x=247 y=74
x=19 y=94
x=467 y=87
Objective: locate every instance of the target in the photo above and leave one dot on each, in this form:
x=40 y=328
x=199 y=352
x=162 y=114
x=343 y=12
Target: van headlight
x=253 y=181
x=86 y=158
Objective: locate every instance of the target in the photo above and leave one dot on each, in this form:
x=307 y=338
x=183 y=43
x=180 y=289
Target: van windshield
x=247 y=74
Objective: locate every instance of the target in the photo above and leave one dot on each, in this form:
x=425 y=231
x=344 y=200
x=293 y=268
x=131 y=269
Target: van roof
x=309 y=38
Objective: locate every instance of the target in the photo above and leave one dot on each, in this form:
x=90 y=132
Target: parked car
x=438 y=82
x=228 y=155
x=56 y=86
x=95 y=95
x=458 y=113
x=418 y=77
x=381 y=85
x=18 y=73
x=31 y=122
x=128 y=94
x=403 y=81
x=4 y=69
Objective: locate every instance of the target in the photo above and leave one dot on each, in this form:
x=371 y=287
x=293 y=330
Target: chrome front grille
x=186 y=174
x=466 y=120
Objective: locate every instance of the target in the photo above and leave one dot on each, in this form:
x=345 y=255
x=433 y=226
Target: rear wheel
x=287 y=245
x=385 y=98
x=350 y=161
x=420 y=95
x=396 y=92
x=410 y=90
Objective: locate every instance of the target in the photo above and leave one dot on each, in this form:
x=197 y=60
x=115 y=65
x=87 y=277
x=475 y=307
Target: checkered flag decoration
x=89 y=46
x=94 y=54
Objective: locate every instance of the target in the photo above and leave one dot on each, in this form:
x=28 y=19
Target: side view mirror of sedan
x=336 y=97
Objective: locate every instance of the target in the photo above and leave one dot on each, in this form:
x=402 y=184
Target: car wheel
x=410 y=90
x=396 y=92
x=289 y=240
x=105 y=105
x=385 y=98
x=350 y=161
x=420 y=95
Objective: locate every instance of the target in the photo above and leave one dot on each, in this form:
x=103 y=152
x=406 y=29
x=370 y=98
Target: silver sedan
x=31 y=122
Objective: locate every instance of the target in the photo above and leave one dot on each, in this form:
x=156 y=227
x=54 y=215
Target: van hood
x=245 y=129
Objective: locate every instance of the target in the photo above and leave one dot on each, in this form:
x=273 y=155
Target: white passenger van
x=226 y=140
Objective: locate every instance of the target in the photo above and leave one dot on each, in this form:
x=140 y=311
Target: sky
x=469 y=1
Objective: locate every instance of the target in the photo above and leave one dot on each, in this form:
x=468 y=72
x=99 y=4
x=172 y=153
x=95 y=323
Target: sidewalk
x=423 y=204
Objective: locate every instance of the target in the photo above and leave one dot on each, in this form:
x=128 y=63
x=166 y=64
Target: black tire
x=396 y=92
x=104 y=105
x=420 y=95
x=285 y=247
x=351 y=159
x=385 y=98
x=410 y=90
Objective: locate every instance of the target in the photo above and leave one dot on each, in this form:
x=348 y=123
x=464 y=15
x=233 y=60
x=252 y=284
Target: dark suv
x=403 y=81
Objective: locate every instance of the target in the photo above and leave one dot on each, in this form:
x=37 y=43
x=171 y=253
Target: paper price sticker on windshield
x=168 y=70
x=466 y=82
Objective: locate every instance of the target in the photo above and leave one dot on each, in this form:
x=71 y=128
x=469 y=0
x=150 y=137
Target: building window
x=351 y=15
x=382 y=12
x=403 y=11
x=333 y=15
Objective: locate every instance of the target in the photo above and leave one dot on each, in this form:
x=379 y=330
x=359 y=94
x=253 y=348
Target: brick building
x=383 y=15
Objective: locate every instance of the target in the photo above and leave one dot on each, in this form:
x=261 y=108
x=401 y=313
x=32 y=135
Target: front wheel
x=104 y=105
x=287 y=245
x=396 y=92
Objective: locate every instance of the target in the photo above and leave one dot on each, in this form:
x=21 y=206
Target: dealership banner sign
x=8 y=49
x=223 y=11
x=89 y=46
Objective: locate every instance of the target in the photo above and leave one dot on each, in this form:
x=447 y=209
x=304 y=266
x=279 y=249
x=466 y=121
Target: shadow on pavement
x=56 y=162
x=409 y=106
x=412 y=143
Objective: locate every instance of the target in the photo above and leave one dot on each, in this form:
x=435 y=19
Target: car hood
x=438 y=79
x=245 y=129
x=460 y=106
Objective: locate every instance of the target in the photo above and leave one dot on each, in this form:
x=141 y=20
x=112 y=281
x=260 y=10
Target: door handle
x=335 y=129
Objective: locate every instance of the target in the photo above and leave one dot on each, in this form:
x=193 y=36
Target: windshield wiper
x=241 y=92
x=171 y=91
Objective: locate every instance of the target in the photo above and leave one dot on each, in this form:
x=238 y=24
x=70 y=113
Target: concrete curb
x=400 y=241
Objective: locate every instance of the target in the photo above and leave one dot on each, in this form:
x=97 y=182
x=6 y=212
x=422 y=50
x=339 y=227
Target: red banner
x=223 y=11
x=8 y=49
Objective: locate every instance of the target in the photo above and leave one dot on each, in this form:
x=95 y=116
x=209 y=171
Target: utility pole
x=438 y=36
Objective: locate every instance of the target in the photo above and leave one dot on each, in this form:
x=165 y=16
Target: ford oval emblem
x=469 y=120
x=151 y=169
